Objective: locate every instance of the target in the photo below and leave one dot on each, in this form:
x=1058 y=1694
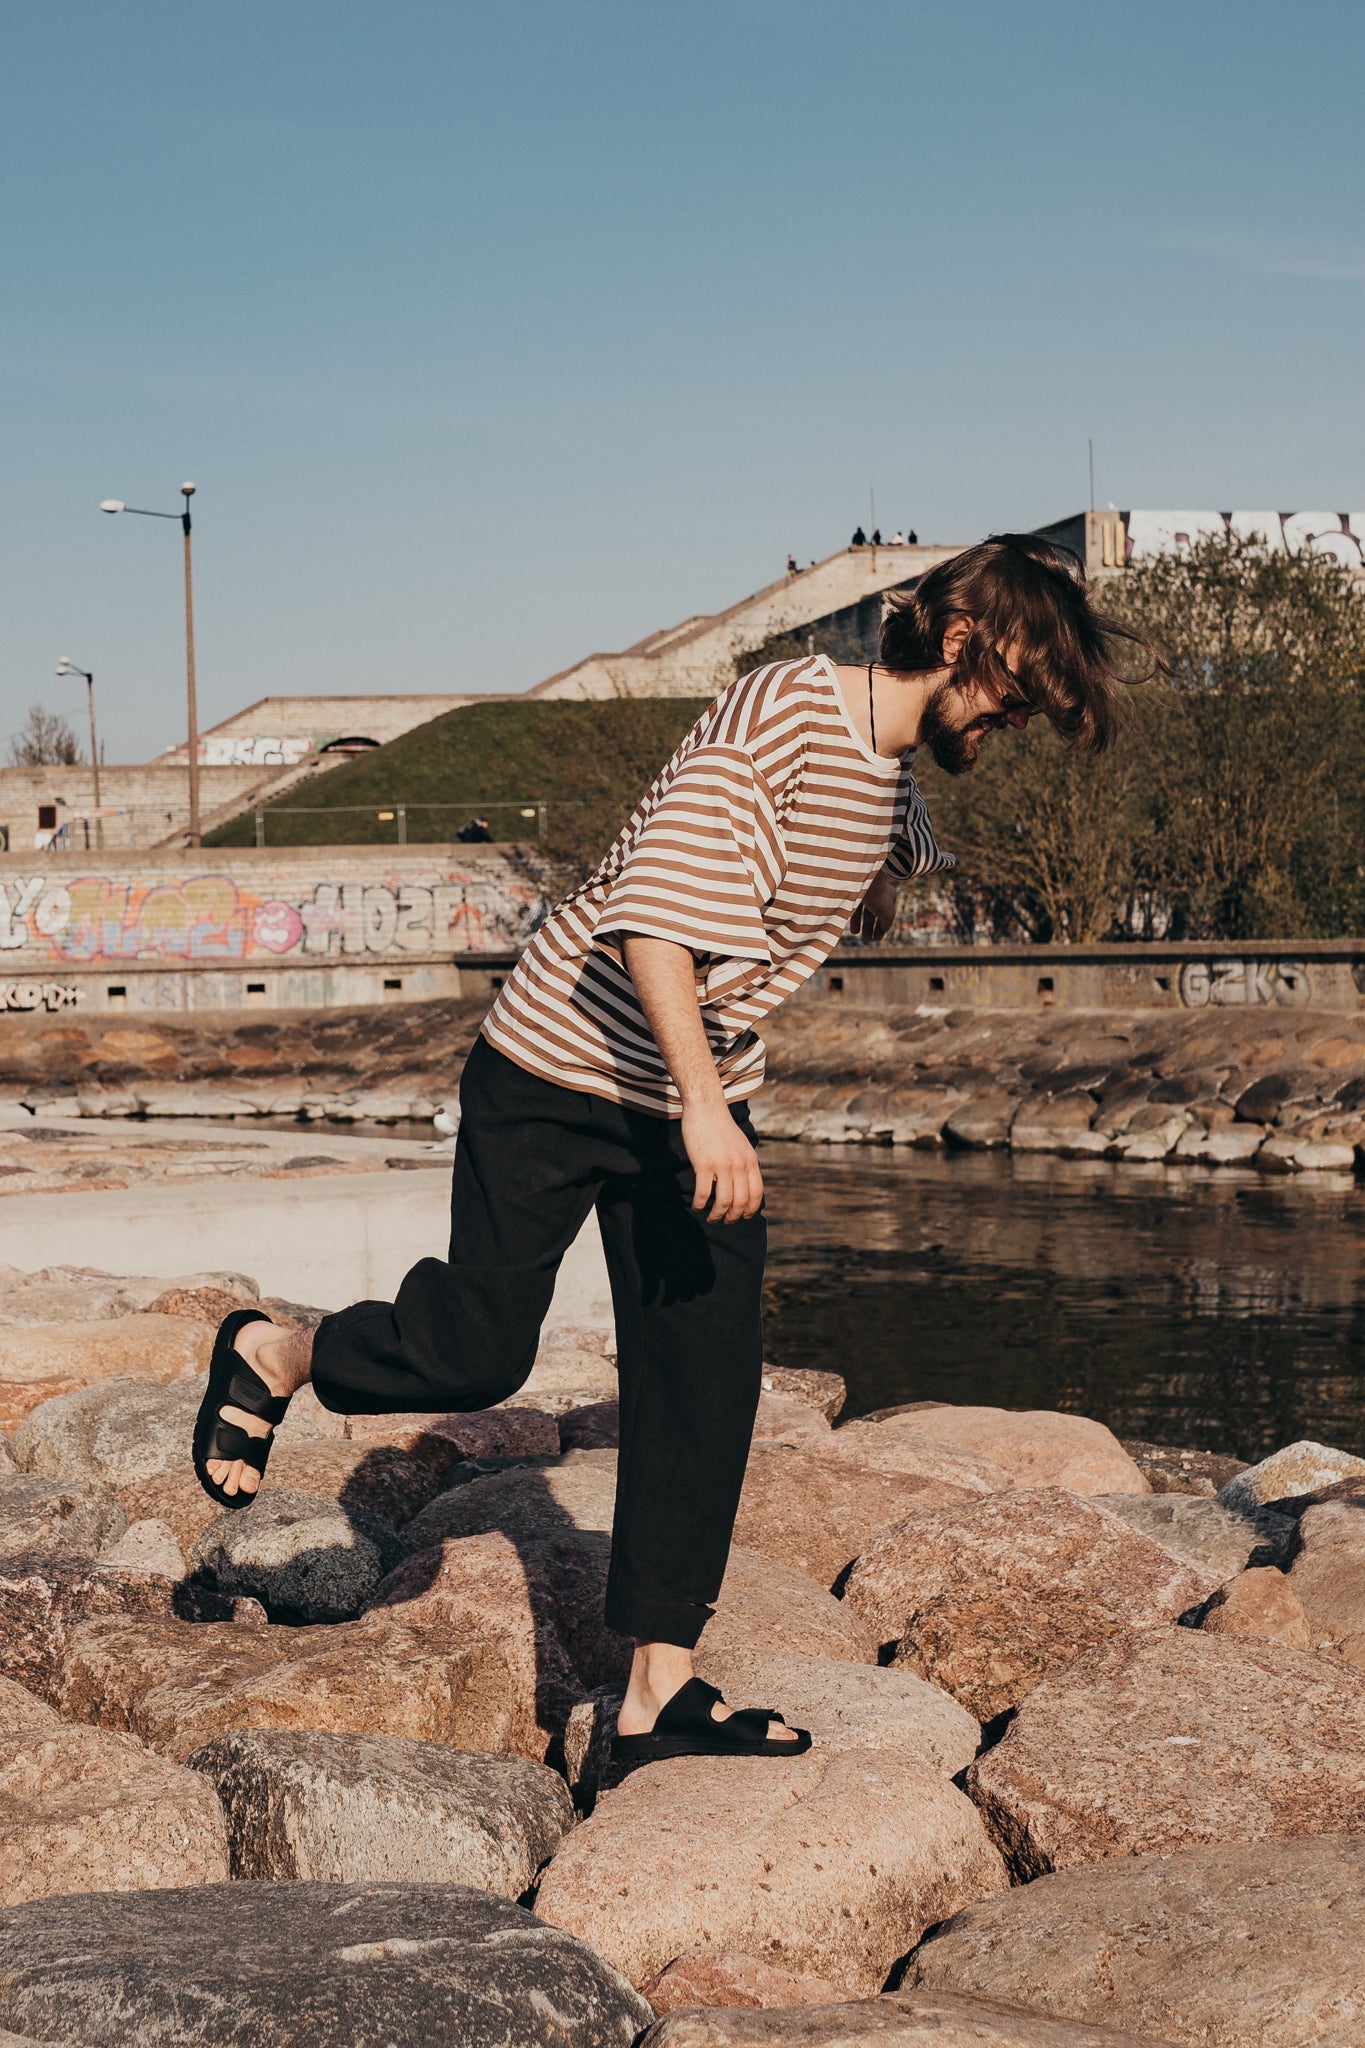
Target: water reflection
x=1220 y=1310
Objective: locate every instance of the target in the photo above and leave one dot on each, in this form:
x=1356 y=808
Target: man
x=614 y=1069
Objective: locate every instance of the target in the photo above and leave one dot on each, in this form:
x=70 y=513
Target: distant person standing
x=876 y=536
x=791 y=565
x=912 y=538
x=859 y=539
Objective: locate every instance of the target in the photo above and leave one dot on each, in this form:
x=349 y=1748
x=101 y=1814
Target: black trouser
x=531 y=1161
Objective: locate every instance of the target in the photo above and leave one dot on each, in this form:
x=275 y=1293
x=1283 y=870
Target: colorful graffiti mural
x=96 y=920
x=1244 y=981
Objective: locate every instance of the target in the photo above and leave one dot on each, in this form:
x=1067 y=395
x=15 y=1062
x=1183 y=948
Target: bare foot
x=283 y=1359
x=657 y=1671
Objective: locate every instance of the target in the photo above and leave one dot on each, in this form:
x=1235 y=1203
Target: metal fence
x=524 y=811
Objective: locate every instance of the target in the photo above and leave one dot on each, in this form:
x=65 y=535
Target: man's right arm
x=722 y=1158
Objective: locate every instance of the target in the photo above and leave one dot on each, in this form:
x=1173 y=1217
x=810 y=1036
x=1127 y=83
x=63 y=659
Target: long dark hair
x=1025 y=594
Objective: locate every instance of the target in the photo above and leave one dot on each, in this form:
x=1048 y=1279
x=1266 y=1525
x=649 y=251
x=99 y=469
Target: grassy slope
x=588 y=763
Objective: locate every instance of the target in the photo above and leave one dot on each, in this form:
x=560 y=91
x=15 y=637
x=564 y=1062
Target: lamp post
x=67 y=667
x=186 y=492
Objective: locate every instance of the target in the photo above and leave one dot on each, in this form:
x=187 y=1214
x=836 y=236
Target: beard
x=956 y=748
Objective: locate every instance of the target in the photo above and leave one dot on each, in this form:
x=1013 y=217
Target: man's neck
x=898 y=696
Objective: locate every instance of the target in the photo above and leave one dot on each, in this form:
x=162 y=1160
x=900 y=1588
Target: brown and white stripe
x=752 y=848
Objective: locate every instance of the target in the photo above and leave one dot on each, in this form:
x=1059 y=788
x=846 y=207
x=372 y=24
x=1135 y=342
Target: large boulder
x=575 y=1491
x=817 y=1512
x=1259 y=1602
x=36 y=1513
x=365 y=1478
x=894 y=1442
x=827 y=1866
x=1158 y=1741
x=177 y=1685
x=148 y=1546
x=1232 y=1944
x=39 y=1359
x=986 y=1598
x=279 y=1965
x=514 y=1596
x=1039 y=1446
x=1328 y=1575
x=767 y=1605
x=1204 y=1532
x=901 y=2019
x=44 y=1595
x=305 y=1559
x=440 y=1441
x=1292 y=1474
x=849 y=1706
x=117 y=1433
x=352 y=1809
x=722 y=1976
x=83 y=1809
x=1169 y=1468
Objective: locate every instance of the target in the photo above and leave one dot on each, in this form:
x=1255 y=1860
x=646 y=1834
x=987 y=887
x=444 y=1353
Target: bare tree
x=45 y=740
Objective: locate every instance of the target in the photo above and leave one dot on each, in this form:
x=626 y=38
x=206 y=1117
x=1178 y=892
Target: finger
x=755 y=1194
x=725 y=1188
x=705 y=1183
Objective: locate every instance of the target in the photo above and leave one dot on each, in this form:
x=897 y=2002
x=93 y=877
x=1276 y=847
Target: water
x=1220 y=1310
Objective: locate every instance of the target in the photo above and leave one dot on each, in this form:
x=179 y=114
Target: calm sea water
x=1220 y=1310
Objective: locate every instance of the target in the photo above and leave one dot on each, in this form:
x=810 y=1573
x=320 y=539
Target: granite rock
x=44 y=1595
x=1204 y=1532
x=280 y=1965
x=817 y=1513
x=575 y=1491
x=37 y=1513
x=1155 y=1742
x=849 y=1706
x=304 y=1558
x=824 y=1390
x=905 y=2019
x=827 y=1866
x=987 y=1598
x=177 y=1685
x=353 y=1809
x=119 y=1433
x=147 y=1347
x=1328 y=1575
x=1259 y=1602
x=147 y=1546
x=715 y=1976
x=1290 y=1474
x=1039 y=1447
x=84 y=1810
x=894 y=1442
x=1230 y=1944
x=440 y=1441
x=1169 y=1469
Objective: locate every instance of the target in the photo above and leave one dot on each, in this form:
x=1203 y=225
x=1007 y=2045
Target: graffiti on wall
x=1336 y=534
x=1244 y=981
x=38 y=995
x=252 y=750
x=97 y=920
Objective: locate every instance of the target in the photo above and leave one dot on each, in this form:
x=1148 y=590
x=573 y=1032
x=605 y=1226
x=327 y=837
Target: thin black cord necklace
x=871 y=707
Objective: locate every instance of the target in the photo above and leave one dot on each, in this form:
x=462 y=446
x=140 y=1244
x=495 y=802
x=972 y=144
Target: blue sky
x=492 y=336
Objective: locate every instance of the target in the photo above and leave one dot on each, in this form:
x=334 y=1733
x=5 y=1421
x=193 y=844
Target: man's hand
x=876 y=913
x=724 y=1162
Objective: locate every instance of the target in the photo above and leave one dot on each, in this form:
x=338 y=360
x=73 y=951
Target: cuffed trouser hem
x=652 y=1620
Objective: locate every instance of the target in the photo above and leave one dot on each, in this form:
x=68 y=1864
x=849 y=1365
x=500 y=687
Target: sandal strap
x=249 y=1392
x=752 y=1721
x=690 y=1705
x=230 y=1442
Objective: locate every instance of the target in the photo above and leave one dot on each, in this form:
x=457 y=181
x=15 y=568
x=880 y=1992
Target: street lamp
x=67 y=667
x=186 y=492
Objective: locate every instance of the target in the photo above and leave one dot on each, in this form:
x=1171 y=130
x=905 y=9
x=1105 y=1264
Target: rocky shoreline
x=1089 y=1723
x=1280 y=1091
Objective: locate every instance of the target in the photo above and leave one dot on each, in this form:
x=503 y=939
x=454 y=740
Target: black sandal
x=685 y=1727
x=234 y=1384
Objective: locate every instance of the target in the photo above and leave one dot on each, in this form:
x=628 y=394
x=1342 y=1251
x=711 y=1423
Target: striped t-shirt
x=753 y=848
